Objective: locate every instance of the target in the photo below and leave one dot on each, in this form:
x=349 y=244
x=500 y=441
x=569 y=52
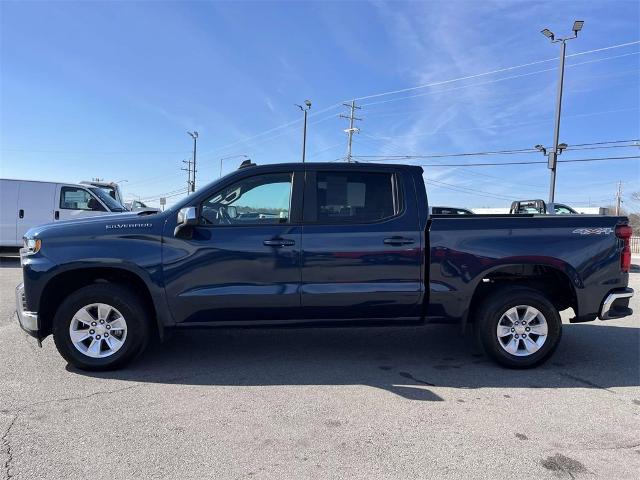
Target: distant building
x=593 y=210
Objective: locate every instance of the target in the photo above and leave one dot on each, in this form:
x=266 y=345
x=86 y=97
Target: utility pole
x=188 y=170
x=618 y=198
x=307 y=104
x=194 y=135
x=553 y=154
x=351 y=130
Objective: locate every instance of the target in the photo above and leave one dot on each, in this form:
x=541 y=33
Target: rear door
x=361 y=245
x=35 y=205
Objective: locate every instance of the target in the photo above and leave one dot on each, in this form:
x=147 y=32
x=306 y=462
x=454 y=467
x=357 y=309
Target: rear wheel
x=519 y=327
x=100 y=327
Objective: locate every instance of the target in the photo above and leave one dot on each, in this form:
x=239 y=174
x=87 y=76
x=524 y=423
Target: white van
x=28 y=203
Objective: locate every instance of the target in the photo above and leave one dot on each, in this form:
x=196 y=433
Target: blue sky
x=109 y=89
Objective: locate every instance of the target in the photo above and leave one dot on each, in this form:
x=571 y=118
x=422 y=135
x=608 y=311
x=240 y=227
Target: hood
x=112 y=222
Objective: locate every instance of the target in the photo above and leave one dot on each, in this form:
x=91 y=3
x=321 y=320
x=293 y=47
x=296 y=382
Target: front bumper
x=28 y=320
x=616 y=304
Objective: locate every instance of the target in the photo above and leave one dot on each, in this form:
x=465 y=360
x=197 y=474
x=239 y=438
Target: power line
x=170 y=192
x=447 y=90
x=502 y=126
x=468 y=190
x=173 y=193
x=181 y=191
x=497 y=152
x=502 y=164
x=477 y=174
x=270 y=130
x=336 y=105
x=331 y=107
x=600 y=147
x=499 y=70
x=582 y=146
x=598 y=159
x=521 y=75
x=605 y=143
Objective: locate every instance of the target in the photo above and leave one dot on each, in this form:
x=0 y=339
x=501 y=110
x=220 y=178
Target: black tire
x=127 y=303
x=492 y=310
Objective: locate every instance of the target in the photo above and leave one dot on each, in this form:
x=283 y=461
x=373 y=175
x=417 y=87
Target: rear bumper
x=28 y=320
x=616 y=304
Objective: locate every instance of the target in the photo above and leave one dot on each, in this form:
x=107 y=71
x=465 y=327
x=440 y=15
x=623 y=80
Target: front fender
x=135 y=253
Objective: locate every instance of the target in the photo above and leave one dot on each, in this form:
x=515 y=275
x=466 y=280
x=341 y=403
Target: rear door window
x=355 y=197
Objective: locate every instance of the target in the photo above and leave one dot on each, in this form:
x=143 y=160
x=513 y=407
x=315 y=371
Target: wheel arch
x=557 y=282
x=68 y=281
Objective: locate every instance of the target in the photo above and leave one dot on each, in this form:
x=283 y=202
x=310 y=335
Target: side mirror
x=187 y=216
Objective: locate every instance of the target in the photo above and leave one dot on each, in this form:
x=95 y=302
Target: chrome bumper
x=616 y=304
x=28 y=320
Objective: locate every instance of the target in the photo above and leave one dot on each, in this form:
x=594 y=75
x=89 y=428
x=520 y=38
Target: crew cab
x=317 y=244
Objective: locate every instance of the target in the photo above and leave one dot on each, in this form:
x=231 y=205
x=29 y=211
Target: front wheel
x=100 y=327
x=519 y=327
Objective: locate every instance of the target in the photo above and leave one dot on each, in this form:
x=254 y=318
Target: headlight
x=32 y=246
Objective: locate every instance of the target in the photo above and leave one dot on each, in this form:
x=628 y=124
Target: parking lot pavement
x=368 y=403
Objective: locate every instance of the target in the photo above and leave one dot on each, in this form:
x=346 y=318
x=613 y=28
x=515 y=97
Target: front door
x=77 y=202
x=361 y=246
x=241 y=263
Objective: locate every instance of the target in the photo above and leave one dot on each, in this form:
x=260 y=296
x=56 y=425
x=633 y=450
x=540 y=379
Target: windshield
x=108 y=189
x=110 y=202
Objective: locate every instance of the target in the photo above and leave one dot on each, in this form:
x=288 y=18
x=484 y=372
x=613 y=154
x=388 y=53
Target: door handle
x=56 y=215
x=279 y=242
x=21 y=213
x=398 y=241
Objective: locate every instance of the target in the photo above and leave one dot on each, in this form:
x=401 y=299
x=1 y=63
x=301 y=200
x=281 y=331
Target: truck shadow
x=9 y=261
x=411 y=362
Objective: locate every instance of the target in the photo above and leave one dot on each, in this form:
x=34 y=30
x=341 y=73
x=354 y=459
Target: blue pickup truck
x=316 y=244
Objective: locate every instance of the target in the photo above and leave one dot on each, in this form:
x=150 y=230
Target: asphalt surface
x=374 y=403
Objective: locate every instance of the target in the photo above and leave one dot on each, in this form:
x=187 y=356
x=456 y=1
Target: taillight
x=624 y=233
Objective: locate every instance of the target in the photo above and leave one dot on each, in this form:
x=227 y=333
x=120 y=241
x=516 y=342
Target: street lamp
x=229 y=158
x=553 y=154
x=194 y=135
x=304 y=130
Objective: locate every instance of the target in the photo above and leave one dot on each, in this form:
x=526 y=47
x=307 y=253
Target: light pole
x=553 y=154
x=194 y=135
x=229 y=158
x=304 y=129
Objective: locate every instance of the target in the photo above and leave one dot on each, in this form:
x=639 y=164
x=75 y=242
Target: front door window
x=258 y=200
